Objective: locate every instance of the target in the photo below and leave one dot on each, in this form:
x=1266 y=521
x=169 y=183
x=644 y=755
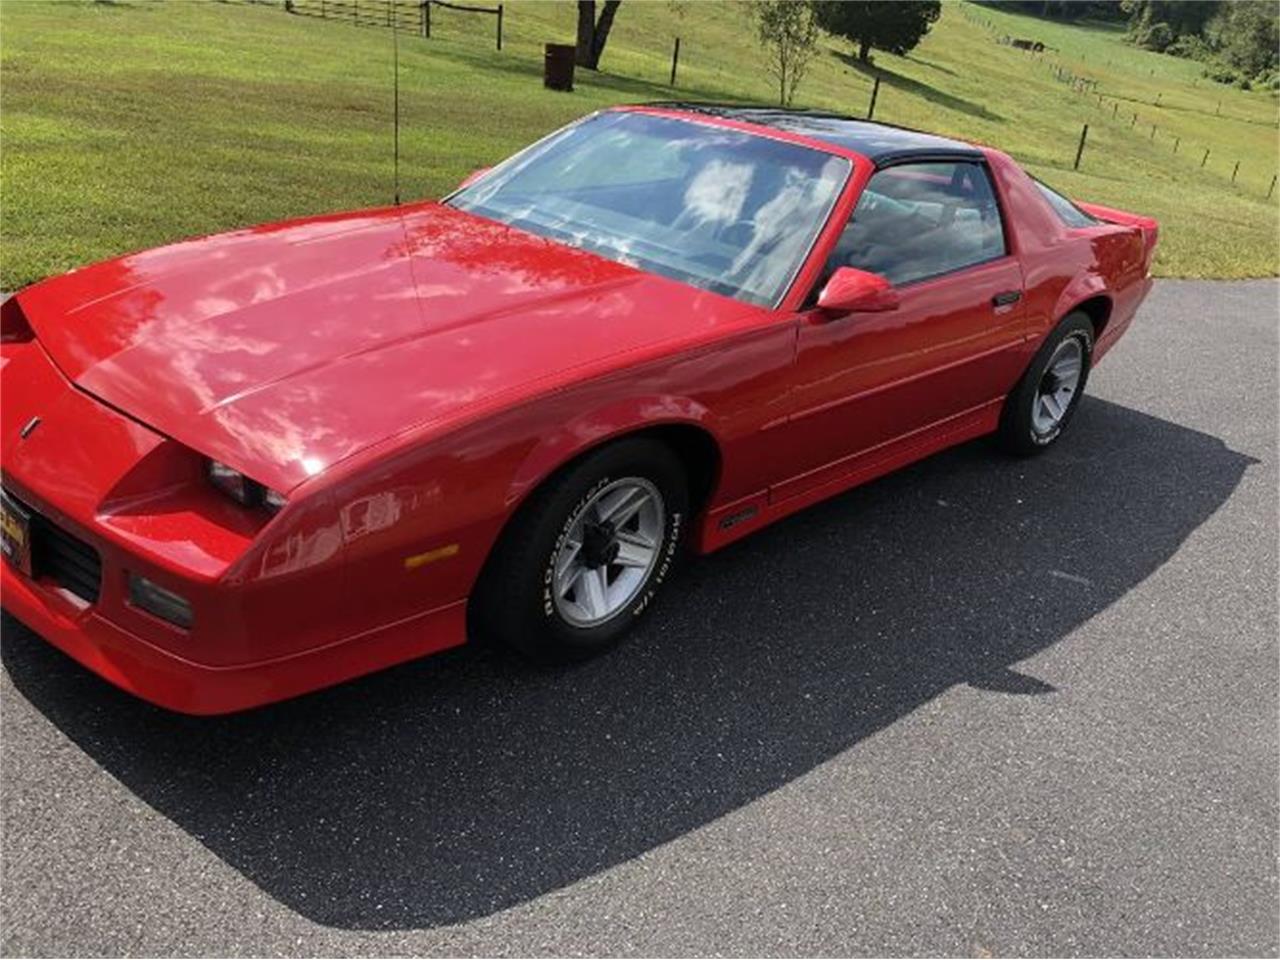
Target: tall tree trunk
x=603 y=26
x=864 y=50
x=586 y=32
x=593 y=34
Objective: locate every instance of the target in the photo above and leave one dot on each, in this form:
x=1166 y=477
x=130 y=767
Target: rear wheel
x=1045 y=399
x=585 y=558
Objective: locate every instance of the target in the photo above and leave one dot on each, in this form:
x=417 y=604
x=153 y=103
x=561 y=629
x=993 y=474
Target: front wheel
x=585 y=558
x=1045 y=399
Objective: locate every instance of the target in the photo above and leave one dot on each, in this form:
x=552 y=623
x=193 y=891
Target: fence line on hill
x=415 y=16
x=412 y=16
x=1086 y=86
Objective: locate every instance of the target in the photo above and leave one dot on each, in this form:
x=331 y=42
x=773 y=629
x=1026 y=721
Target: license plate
x=15 y=534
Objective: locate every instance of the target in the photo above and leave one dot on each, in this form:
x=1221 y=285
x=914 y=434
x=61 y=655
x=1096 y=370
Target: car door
x=954 y=342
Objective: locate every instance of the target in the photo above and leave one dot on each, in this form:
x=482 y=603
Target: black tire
x=513 y=602
x=1018 y=433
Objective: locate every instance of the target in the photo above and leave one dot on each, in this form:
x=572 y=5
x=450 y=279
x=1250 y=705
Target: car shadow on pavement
x=459 y=785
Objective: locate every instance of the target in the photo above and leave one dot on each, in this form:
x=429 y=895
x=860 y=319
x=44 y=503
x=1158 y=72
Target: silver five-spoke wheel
x=612 y=545
x=1058 y=386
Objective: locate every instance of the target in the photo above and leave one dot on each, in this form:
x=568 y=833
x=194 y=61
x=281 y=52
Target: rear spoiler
x=1149 y=227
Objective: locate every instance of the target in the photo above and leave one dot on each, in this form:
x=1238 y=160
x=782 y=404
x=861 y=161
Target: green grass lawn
x=129 y=124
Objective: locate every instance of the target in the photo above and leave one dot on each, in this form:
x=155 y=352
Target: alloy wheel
x=612 y=545
x=1058 y=386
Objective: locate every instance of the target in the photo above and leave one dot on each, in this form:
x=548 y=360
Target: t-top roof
x=881 y=143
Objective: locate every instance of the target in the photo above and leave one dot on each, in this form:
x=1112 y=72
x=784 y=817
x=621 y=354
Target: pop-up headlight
x=244 y=491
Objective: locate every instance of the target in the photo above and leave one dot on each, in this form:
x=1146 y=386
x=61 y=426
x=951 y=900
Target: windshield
x=720 y=209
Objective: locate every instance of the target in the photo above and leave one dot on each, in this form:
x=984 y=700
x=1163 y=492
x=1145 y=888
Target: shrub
x=1221 y=74
x=1190 y=46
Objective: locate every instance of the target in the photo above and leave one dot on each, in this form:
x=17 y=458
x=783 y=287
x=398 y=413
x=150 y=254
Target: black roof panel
x=881 y=143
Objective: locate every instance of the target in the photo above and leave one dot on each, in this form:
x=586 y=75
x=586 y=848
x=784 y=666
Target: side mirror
x=856 y=291
x=473 y=176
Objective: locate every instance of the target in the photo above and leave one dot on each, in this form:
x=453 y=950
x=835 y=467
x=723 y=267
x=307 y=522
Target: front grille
x=67 y=560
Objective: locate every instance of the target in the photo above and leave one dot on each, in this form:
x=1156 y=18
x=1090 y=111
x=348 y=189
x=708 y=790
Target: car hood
x=285 y=348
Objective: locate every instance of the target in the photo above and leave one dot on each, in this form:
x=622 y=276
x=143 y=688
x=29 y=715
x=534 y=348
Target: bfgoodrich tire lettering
x=587 y=555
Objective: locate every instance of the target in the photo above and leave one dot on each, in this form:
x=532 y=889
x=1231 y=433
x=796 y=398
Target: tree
x=1182 y=16
x=1068 y=10
x=1247 y=34
x=788 y=32
x=593 y=33
x=1239 y=39
x=895 y=27
x=1153 y=36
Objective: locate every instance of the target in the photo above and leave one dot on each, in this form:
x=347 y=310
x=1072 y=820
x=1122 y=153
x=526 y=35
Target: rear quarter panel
x=1064 y=266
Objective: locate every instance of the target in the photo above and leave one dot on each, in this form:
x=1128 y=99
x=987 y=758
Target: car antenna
x=395 y=59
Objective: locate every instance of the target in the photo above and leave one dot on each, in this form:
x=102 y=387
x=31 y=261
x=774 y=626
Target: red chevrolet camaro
x=243 y=467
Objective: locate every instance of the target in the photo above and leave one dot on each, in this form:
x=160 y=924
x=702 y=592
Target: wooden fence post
x=1153 y=131
x=1084 y=132
x=1176 y=141
x=1115 y=109
x=499 y=26
x=1235 y=171
x=1205 y=158
x=875 y=92
x=675 y=60
x=426 y=18
x=1272 y=187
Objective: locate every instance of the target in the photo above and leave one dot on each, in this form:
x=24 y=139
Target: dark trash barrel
x=557 y=68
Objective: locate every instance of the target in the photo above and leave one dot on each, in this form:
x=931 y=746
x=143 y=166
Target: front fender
x=581 y=433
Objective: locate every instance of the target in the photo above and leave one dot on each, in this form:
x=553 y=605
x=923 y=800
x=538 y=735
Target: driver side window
x=920 y=220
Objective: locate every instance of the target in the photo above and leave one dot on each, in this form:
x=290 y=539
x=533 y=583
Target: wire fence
x=1128 y=114
x=409 y=15
x=1125 y=114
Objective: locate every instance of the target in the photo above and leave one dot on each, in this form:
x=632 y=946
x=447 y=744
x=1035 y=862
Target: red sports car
x=243 y=467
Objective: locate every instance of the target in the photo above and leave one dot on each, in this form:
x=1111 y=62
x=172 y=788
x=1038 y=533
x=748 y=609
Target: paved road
x=981 y=707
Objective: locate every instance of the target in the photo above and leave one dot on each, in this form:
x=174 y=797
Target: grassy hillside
x=127 y=124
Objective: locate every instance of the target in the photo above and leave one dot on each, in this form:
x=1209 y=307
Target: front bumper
x=170 y=681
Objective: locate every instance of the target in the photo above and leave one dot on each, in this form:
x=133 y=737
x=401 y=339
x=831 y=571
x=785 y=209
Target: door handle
x=1006 y=298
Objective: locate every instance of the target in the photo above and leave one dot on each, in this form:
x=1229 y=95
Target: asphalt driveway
x=979 y=707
